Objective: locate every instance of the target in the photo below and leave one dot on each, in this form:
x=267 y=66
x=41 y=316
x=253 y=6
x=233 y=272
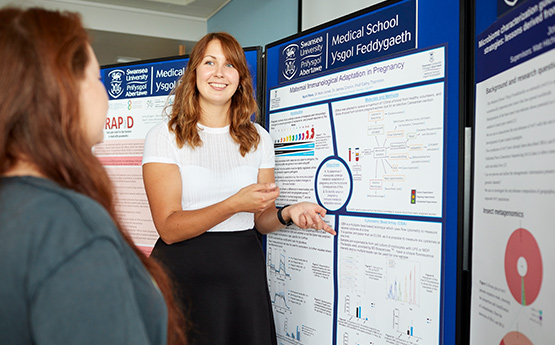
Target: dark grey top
x=66 y=274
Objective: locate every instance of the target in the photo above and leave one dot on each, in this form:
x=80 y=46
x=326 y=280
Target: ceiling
x=194 y=8
x=113 y=47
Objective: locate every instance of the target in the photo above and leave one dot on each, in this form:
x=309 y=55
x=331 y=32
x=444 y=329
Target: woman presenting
x=209 y=177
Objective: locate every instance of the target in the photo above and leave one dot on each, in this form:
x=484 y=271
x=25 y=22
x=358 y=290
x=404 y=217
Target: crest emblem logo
x=115 y=78
x=289 y=64
x=511 y=2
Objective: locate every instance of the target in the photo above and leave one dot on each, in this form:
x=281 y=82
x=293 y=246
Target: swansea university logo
x=290 y=54
x=116 y=78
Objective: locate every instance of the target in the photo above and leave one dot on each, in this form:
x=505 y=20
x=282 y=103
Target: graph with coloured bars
x=294 y=333
x=297 y=143
x=403 y=281
x=523 y=266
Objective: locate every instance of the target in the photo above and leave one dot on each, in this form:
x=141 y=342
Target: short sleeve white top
x=213 y=171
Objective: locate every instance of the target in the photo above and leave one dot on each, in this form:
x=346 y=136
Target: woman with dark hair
x=209 y=177
x=70 y=275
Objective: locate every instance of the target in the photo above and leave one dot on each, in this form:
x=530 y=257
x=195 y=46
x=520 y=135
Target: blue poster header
x=520 y=35
x=144 y=80
x=383 y=32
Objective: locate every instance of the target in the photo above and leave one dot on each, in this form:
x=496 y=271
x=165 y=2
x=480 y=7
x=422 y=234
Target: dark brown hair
x=43 y=58
x=186 y=110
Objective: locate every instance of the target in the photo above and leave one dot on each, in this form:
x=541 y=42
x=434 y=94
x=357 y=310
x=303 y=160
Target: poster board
x=139 y=98
x=364 y=116
x=514 y=188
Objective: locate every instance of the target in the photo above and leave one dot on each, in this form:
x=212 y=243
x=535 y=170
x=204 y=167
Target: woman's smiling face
x=217 y=79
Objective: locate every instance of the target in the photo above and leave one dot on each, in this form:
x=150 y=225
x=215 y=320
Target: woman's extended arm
x=304 y=214
x=163 y=188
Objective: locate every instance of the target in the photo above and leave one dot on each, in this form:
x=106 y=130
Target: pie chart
x=523 y=267
x=515 y=338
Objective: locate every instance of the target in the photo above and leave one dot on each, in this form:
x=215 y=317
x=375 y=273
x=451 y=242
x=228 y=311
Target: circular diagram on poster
x=515 y=338
x=333 y=183
x=523 y=266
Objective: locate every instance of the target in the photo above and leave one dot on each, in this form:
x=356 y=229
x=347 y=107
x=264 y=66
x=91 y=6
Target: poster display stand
x=363 y=115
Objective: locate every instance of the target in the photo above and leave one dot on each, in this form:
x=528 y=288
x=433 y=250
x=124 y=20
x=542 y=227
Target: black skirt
x=221 y=283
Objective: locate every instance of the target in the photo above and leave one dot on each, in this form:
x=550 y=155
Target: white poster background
x=388 y=273
x=393 y=144
x=295 y=173
x=121 y=152
x=300 y=280
x=412 y=68
x=514 y=189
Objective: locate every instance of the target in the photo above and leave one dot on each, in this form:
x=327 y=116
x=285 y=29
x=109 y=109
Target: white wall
x=256 y=22
x=316 y=12
x=259 y=22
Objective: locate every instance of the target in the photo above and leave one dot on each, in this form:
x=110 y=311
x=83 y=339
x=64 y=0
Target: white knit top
x=214 y=171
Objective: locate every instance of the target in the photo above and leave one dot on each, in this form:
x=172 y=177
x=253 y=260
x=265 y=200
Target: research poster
x=139 y=98
x=513 y=283
x=361 y=131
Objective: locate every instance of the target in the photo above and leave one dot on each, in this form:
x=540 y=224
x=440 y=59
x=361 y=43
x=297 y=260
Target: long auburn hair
x=43 y=58
x=186 y=111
